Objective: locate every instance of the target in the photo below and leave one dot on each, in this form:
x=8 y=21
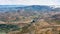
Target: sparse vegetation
x=30 y=20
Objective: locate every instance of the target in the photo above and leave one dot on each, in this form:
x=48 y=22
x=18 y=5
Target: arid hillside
x=33 y=19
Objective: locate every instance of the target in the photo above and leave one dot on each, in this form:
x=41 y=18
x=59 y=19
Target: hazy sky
x=29 y=2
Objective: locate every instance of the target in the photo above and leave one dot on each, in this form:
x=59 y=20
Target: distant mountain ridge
x=26 y=8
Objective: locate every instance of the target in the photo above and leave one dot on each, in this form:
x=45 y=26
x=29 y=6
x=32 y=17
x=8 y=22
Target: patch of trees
x=8 y=27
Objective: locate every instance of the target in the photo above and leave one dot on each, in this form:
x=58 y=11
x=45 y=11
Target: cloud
x=29 y=2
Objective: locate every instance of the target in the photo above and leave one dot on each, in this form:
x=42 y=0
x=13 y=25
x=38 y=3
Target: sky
x=29 y=2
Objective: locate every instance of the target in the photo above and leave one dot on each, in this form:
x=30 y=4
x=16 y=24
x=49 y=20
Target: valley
x=33 y=19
